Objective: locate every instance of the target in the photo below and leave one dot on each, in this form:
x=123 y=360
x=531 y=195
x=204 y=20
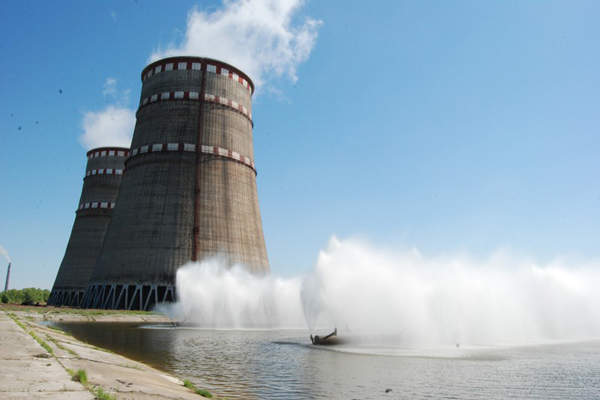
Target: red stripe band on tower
x=104 y=171
x=108 y=152
x=191 y=95
x=191 y=64
x=190 y=147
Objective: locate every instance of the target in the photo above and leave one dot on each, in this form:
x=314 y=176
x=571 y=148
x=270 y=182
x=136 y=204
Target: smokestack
x=189 y=191
x=98 y=196
x=7 y=277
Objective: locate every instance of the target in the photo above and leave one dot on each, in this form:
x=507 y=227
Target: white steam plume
x=257 y=36
x=4 y=253
x=403 y=295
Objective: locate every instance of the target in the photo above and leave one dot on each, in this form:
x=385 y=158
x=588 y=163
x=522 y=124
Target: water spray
x=402 y=298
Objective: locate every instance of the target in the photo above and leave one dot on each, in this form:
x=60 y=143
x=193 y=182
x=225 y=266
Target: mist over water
x=214 y=296
x=401 y=297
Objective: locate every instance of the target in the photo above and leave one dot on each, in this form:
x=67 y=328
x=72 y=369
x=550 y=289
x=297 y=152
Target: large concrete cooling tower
x=100 y=188
x=189 y=190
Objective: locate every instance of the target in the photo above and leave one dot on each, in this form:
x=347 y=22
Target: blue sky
x=446 y=126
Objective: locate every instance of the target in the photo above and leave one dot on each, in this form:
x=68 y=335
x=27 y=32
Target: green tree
x=25 y=296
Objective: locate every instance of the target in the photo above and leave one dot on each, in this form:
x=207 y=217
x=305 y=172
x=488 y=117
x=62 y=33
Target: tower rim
x=106 y=148
x=182 y=58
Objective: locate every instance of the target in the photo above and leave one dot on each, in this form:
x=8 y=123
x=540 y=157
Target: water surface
x=281 y=364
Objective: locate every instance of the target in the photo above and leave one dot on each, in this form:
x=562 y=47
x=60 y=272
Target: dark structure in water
x=325 y=340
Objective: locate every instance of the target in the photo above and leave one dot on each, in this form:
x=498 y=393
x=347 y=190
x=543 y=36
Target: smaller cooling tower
x=100 y=188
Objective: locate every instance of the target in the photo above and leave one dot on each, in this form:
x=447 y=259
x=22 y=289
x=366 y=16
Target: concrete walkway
x=28 y=372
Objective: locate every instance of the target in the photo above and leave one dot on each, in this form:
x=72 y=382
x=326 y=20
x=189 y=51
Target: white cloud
x=112 y=126
x=257 y=36
x=110 y=90
x=110 y=87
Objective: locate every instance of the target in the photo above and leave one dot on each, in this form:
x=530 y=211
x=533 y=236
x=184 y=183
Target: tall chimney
x=7 y=277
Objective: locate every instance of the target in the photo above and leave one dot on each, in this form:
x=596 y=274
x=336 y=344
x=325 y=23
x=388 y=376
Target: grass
x=17 y=321
x=60 y=346
x=56 y=328
x=41 y=342
x=102 y=395
x=201 y=392
x=80 y=376
x=71 y=310
x=131 y=366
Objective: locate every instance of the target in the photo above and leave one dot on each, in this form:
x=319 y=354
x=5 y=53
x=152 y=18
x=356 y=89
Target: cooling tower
x=189 y=190
x=100 y=188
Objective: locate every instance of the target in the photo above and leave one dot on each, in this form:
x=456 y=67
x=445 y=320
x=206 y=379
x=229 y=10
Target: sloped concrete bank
x=41 y=362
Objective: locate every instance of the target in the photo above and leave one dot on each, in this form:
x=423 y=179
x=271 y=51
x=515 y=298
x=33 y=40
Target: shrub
x=25 y=296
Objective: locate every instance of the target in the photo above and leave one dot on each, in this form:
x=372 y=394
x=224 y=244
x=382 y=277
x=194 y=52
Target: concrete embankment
x=40 y=362
x=28 y=371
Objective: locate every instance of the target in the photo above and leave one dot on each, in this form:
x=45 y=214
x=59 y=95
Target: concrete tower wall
x=189 y=191
x=98 y=196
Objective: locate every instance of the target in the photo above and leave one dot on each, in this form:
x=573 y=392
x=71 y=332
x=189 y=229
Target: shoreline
x=50 y=364
x=69 y=314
